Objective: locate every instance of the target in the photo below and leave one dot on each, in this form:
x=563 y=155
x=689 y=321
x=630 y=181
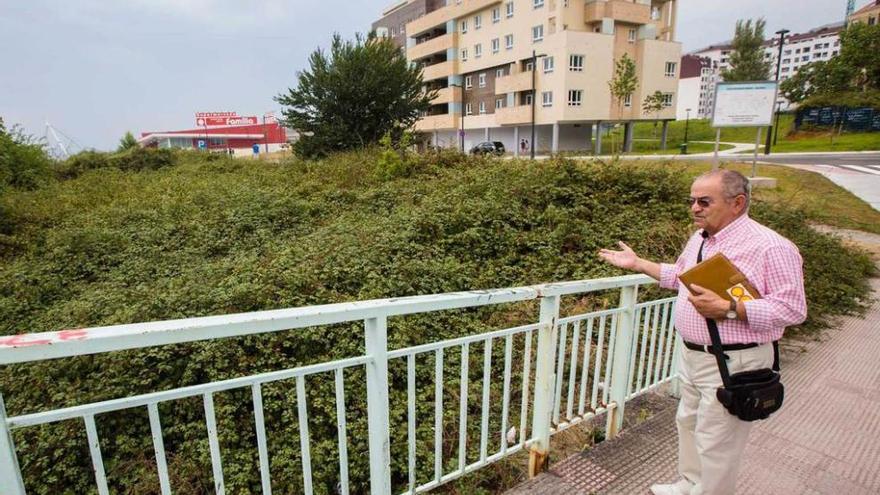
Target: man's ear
x=740 y=202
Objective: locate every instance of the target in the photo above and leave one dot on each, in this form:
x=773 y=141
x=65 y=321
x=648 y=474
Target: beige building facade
x=478 y=55
x=869 y=14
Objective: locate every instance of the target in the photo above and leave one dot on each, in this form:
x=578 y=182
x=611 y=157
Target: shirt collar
x=732 y=229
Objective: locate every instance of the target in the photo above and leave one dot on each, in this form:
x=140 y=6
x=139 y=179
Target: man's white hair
x=733 y=183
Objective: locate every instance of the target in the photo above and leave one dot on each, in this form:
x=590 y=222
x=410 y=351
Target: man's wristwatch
x=731 y=313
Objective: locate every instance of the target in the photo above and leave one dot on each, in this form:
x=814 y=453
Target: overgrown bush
x=24 y=163
x=132 y=159
x=218 y=237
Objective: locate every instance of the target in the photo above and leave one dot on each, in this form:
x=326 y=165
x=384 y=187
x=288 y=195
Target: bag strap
x=713 y=331
x=716 y=338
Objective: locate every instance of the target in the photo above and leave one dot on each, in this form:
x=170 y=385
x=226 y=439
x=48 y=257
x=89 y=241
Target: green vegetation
x=210 y=235
x=352 y=97
x=747 y=62
x=850 y=79
x=127 y=142
x=701 y=130
x=23 y=161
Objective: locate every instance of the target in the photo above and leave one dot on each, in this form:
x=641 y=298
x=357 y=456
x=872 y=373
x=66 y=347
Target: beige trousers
x=710 y=439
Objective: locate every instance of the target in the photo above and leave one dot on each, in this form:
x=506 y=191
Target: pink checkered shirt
x=771 y=263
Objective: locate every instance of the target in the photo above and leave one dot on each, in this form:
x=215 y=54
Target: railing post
x=376 y=336
x=10 y=474
x=544 y=380
x=621 y=360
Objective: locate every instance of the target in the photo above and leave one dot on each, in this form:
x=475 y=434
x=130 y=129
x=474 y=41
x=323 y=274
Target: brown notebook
x=722 y=277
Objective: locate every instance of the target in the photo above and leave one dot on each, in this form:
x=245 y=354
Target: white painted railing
x=584 y=365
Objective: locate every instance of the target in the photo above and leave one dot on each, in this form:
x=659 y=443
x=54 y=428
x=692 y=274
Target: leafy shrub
x=217 y=237
x=132 y=159
x=24 y=163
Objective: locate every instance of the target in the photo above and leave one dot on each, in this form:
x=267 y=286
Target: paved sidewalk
x=825 y=439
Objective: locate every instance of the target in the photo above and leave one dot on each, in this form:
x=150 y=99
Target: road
x=861 y=163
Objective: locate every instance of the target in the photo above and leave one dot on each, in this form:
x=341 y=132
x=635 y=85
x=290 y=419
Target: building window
x=538 y=3
x=548 y=64
x=575 y=96
x=499 y=72
x=496 y=45
x=468 y=82
x=499 y=103
x=393 y=31
x=482 y=80
x=509 y=7
x=670 y=69
x=468 y=109
x=463 y=26
x=547 y=99
x=464 y=54
x=528 y=98
x=537 y=33
x=667 y=99
x=478 y=50
x=482 y=107
x=529 y=66
x=655 y=13
x=786 y=60
x=478 y=21
x=508 y=41
x=628 y=100
x=632 y=35
x=576 y=63
x=496 y=15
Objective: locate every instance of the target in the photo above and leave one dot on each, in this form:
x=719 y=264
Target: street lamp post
x=687 y=121
x=461 y=127
x=534 y=96
x=775 y=128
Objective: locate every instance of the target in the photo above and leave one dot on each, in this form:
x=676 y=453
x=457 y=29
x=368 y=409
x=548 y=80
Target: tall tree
x=127 y=142
x=624 y=82
x=747 y=62
x=860 y=52
x=353 y=95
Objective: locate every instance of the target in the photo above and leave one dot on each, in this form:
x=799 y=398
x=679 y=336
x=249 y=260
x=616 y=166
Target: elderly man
x=710 y=439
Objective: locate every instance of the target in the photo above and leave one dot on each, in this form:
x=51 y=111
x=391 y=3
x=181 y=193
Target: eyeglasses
x=703 y=201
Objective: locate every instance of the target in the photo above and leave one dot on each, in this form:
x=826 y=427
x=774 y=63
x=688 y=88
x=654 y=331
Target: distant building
x=696 y=86
x=869 y=14
x=819 y=44
x=239 y=139
x=477 y=54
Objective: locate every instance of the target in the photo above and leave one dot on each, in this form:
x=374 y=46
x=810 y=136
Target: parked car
x=488 y=147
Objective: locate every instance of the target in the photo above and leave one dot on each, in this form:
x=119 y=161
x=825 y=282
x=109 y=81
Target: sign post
x=743 y=104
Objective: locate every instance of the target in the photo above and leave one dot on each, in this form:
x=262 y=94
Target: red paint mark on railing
x=25 y=339
x=22 y=340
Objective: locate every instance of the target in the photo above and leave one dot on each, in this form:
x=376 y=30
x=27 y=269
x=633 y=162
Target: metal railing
x=583 y=365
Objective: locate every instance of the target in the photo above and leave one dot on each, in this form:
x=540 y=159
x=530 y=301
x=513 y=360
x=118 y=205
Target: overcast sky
x=97 y=68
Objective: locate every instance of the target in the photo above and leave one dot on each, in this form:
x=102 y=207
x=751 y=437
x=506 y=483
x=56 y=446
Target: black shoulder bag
x=749 y=395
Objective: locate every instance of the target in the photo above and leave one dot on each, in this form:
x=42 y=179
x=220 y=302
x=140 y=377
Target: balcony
x=438 y=71
x=441 y=16
x=437 y=122
x=619 y=10
x=432 y=46
x=447 y=95
x=513 y=83
x=521 y=114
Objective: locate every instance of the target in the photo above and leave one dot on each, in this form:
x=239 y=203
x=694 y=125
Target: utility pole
x=534 y=96
x=775 y=128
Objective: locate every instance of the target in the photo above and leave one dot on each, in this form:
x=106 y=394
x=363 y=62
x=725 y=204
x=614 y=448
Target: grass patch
x=701 y=130
x=674 y=148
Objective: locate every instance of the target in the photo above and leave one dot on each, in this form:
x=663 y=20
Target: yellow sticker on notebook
x=739 y=293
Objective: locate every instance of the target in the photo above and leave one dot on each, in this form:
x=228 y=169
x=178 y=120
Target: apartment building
x=869 y=14
x=696 y=88
x=821 y=43
x=478 y=55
